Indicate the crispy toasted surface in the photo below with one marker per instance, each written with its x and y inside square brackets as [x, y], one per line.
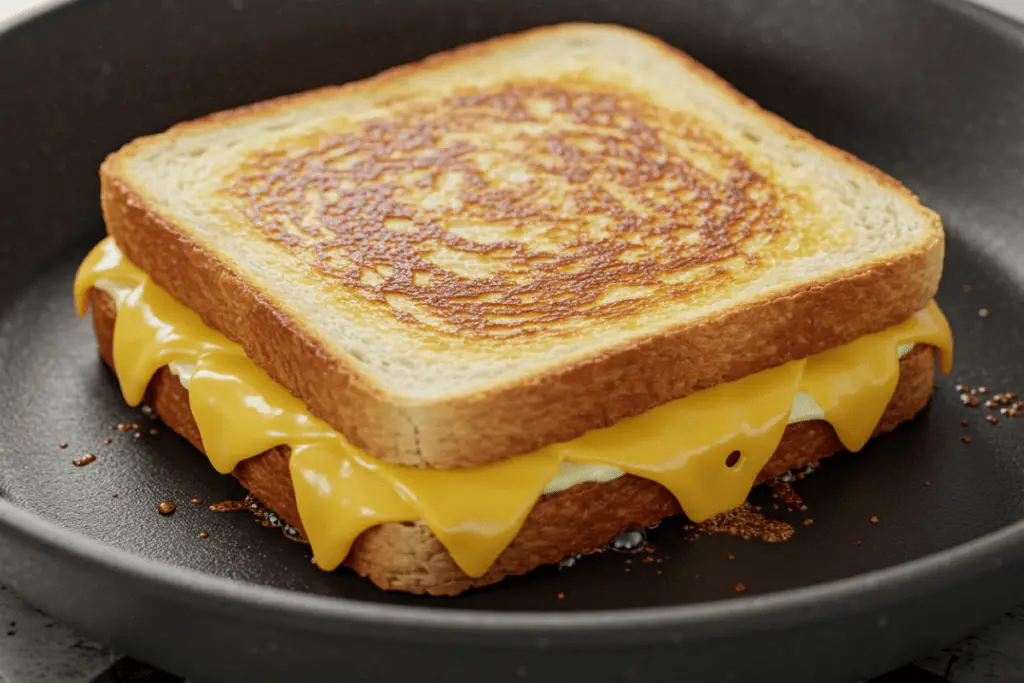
[408, 557]
[513, 243]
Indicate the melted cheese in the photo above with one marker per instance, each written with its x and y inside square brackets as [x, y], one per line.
[341, 491]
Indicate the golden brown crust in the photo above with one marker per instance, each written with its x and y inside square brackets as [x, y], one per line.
[408, 557]
[488, 425]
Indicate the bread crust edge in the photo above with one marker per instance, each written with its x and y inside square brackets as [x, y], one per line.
[408, 557]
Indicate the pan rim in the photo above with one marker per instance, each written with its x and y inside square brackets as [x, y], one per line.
[875, 588]
[776, 610]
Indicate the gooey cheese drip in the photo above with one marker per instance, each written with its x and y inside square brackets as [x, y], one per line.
[341, 491]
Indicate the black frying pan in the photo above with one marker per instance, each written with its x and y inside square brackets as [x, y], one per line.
[929, 91]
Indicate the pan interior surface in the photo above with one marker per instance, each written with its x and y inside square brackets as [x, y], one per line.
[895, 83]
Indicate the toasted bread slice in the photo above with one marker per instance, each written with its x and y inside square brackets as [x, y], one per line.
[510, 244]
[408, 557]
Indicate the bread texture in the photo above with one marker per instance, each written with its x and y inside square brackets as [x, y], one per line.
[513, 243]
[408, 557]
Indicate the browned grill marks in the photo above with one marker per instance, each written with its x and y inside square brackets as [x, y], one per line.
[556, 200]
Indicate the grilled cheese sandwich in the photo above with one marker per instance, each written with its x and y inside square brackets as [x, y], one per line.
[423, 314]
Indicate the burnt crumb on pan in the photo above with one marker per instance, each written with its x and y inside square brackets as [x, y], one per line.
[263, 515]
[730, 556]
[991, 419]
[154, 431]
[965, 439]
[964, 423]
[874, 519]
[561, 596]
[63, 444]
[784, 493]
[969, 400]
[739, 588]
[808, 522]
[984, 313]
[204, 535]
[229, 506]
[107, 442]
[84, 460]
[746, 523]
[982, 390]
[856, 543]
[167, 507]
[197, 501]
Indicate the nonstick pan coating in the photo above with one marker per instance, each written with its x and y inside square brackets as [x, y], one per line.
[931, 92]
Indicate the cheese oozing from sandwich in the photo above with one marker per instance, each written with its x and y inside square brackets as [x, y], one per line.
[341, 491]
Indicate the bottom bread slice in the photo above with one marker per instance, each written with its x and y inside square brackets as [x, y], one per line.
[408, 557]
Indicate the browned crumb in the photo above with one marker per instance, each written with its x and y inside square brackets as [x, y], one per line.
[964, 423]
[203, 534]
[991, 419]
[63, 444]
[659, 572]
[154, 431]
[108, 441]
[229, 506]
[84, 460]
[115, 495]
[785, 494]
[969, 401]
[808, 522]
[167, 507]
[965, 439]
[730, 556]
[856, 543]
[984, 313]
[197, 501]
[983, 390]
[927, 483]
[739, 588]
[966, 288]
[561, 596]
[874, 519]
[746, 522]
